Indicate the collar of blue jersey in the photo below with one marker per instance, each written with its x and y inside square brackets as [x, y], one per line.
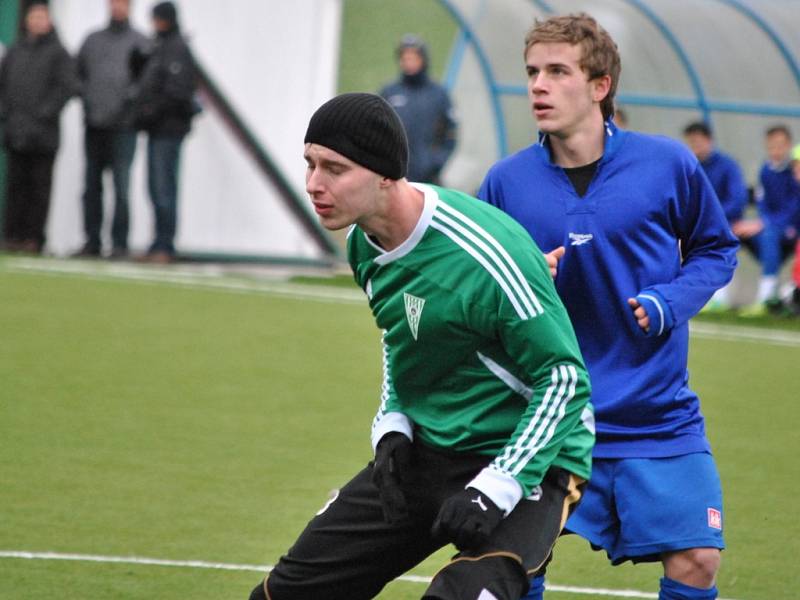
[611, 144]
[779, 167]
[711, 158]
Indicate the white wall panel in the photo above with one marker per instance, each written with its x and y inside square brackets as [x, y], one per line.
[276, 61]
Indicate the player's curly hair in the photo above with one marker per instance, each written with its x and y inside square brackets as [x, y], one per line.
[599, 53]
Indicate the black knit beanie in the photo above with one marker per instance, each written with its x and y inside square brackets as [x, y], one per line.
[365, 129]
[166, 11]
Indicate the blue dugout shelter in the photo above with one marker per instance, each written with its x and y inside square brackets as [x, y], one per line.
[733, 63]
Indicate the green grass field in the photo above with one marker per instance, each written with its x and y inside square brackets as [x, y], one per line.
[371, 30]
[207, 419]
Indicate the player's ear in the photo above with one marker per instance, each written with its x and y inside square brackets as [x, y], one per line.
[385, 183]
[601, 87]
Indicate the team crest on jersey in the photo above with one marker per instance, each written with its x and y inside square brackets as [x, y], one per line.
[579, 239]
[714, 518]
[414, 308]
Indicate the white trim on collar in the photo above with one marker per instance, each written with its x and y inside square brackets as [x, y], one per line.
[431, 200]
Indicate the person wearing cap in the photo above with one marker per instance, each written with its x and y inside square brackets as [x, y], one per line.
[425, 109]
[484, 429]
[164, 106]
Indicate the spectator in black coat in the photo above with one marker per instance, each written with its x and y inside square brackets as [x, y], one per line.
[164, 107]
[37, 77]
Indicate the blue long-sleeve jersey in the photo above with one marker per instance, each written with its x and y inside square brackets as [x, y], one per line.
[728, 182]
[778, 197]
[649, 226]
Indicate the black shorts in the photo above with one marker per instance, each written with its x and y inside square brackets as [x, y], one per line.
[348, 552]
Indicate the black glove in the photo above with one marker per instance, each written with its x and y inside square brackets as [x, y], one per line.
[391, 468]
[137, 59]
[467, 519]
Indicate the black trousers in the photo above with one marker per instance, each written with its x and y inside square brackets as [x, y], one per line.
[349, 552]
[107, 149]
[29, 179]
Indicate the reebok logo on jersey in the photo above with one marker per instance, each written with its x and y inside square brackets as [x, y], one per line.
[714, 518]
[479, 502]
[536, 494]
[579, 239]
[414, 308]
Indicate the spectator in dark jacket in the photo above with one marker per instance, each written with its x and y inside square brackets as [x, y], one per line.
[164, 108]
[37, 77]
[110, 138]
[425, 110]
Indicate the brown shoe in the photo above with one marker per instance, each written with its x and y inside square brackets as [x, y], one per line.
[161, 258]
[156, 258]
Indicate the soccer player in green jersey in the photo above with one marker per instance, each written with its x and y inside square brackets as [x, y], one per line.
[484, 433]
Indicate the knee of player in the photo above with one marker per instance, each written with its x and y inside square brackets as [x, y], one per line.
[696, 566]
[493, 576]
[706, 562]
[283, 586]
[259, 592]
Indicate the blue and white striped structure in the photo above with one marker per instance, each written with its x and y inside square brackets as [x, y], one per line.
[732, 63]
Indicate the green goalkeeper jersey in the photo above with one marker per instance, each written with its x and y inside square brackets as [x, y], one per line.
[479, 354]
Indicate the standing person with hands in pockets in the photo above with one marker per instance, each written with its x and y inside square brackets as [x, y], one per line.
[37, 77]
[164, 107]
[638, 243]
[109, 138]
[484, 433]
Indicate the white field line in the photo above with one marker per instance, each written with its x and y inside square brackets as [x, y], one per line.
[737, 333]
[212, 278]
[199, 564]
[194, 279]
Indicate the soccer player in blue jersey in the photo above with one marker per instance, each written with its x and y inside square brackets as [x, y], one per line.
[638, 243]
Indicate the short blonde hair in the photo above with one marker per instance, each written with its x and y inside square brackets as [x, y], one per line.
[599, 53]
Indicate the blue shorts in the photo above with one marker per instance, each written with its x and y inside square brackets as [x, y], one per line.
[637, 508]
